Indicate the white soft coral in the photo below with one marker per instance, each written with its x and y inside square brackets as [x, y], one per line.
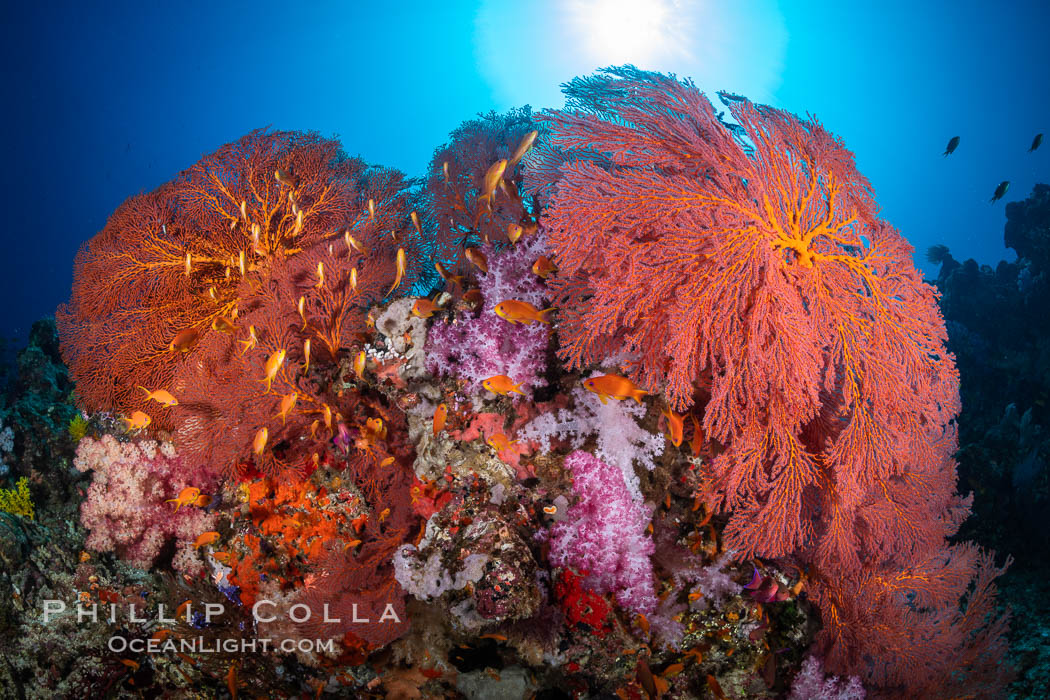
[622, 443]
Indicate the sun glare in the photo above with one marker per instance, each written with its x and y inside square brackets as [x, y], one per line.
[623, 31]
[526, 50]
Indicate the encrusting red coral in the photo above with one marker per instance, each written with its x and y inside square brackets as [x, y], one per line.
[580, 604]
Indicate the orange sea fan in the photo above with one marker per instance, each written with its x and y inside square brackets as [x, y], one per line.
[172, 260]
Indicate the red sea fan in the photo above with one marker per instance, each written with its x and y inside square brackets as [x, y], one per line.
[754, 268]
[223, 399]
[905, 633]
[741, 268]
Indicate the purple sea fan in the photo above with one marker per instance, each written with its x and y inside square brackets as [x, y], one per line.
[486, 345]
[604, 535]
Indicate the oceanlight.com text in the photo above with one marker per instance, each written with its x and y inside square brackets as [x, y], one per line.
[200, 645]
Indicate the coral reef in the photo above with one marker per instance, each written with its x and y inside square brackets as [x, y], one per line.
[720, 466]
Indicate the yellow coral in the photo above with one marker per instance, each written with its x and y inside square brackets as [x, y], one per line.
[17, 500]
[78, 427]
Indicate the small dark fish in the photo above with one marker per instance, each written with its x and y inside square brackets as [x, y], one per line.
[952, 145]
[1000, 191]
[1035, 142]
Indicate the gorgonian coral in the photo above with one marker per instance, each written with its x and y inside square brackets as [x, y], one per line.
[167, 268]
[742, 270]
[460, 209]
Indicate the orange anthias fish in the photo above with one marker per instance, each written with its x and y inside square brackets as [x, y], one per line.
[500, 442]
[354, 244]
[492, 177]
[206, 538]
[400, 269]
[715, 688]
[675, 426]
[543, 267]
[184, 340]
[286, 406]
[446, 275]
[161, 634]
[183, 607]
[502, 384]
[231, 681]
[186, 497]
[696, 442]
[614, 386]
[273, 364]
[475, 256]
[523, 146]
[424, 308]
[138, 420]
[359, 365]
[223, 325]
[250, 343]
[514, 232]
[440, 413]
[516, 311]
[284, 177]
[202, 501]
[161, 396]
[259, 443]
[374, 427]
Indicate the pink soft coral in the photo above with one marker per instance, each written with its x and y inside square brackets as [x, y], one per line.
[604, 535]
[486, 345]
[125, 508]
[811, 684]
